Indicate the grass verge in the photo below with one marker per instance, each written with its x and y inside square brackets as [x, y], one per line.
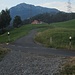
[3, 52]
[69, 67]
[58, 37]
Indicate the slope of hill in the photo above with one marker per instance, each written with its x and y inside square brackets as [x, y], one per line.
[26, 10]
[20, 32]
[58, 37]
[67, 24]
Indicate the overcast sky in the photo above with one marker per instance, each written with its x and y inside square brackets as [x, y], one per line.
[58, 4]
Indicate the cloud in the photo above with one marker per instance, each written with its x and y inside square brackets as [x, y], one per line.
[62, 6]
[73, 7]
[2, 7]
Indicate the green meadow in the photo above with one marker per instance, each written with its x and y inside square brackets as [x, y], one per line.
[58, 36]
[55, 35]
[17, 33]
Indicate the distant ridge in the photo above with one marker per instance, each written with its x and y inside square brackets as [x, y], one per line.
[26, 10]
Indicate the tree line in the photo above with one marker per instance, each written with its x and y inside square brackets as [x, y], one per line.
[5, 20]
[52, 18]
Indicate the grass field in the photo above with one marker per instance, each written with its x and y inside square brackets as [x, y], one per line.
[58, 37]
[68, 24]
[20, 32]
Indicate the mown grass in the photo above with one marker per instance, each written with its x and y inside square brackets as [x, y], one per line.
[20, 32]
[3, 52]
[58, 37]
[67, 24]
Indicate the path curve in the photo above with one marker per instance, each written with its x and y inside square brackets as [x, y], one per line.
[29, 58]
[27, 44]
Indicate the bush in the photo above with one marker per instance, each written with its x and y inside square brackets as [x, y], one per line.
[3, 52]
[68, 70]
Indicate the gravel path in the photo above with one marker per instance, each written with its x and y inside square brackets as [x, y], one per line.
[28, 58]
[20, 63]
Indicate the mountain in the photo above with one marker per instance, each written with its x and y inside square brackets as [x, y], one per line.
[26, 10]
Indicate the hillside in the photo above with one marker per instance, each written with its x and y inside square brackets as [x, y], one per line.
[26, 10]
[58, 37]
[66, 24]
[54, 35]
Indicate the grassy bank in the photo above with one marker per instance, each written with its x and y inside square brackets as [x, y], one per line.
[58, 37]
[69, 67]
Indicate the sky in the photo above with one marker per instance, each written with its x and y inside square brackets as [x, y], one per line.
[58, 4]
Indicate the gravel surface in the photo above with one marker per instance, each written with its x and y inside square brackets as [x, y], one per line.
[20, 63]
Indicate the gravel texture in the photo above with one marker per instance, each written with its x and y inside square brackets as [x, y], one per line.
[21, 63]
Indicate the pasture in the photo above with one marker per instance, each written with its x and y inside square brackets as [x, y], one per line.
[58, 36]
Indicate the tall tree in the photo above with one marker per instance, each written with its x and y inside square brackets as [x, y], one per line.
[17, 21]
[4, 19]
